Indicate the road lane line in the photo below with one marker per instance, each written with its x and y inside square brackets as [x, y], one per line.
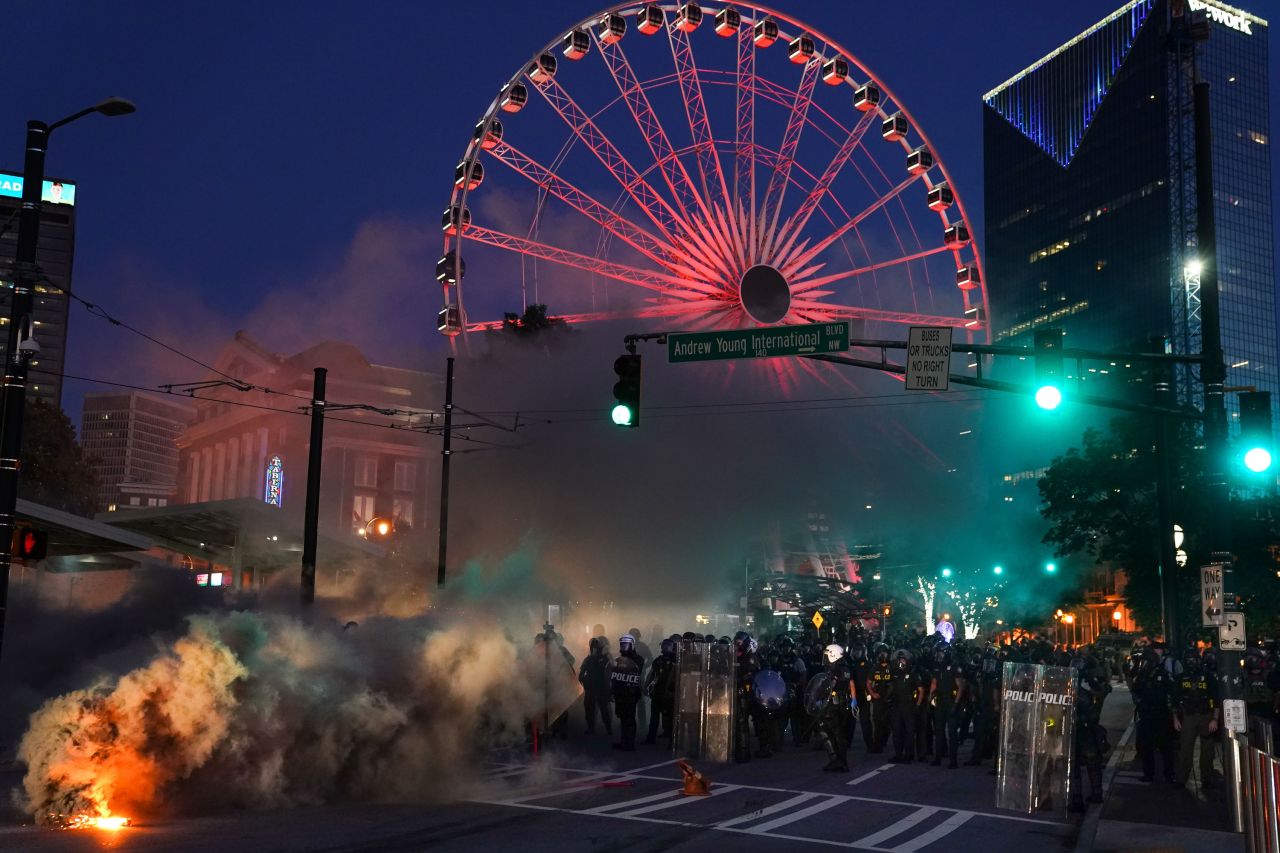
[576, 784]
[871, 775]
[763, 828]
[626, 805]
[765, 812]
[651, 766]
[874, 839]
[1089, 826]
[942, 830]
[864, 799]
[668, 804]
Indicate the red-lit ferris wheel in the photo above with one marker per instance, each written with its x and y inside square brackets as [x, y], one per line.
[714, 166]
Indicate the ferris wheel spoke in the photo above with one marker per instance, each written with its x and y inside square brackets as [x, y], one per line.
[797, 221]
[659, 282]
[744, 177]
[674, 309]
[790, 265]
[856, 312]
[807, 285]
[654, 205]
[786, 155]
[655, 135]
[542, 176]
[714, 188]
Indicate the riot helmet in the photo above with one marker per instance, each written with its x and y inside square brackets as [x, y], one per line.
[740, 639]
[668, 646]
[858, 651]
[626, 643]
[882, 653]
[833, 652]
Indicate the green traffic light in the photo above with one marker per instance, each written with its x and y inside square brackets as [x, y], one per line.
[1050, 568]
[946, 573]
[998, 570]
[1048, 397]
[622, 415]
[1257, 459]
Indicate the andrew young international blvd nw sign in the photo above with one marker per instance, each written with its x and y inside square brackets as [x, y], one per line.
[765, 342]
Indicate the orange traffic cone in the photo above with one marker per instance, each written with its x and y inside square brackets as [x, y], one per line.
[695, 784]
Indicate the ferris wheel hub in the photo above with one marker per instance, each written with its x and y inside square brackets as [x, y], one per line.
[764, 294]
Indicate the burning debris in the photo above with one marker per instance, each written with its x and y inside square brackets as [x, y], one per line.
[259, 710]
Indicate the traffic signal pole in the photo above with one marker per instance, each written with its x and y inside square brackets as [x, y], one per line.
[18, 350]
[446, 454]
[1213, 374]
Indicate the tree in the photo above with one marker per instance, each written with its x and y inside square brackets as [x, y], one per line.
[1100, 500]
[55, 470]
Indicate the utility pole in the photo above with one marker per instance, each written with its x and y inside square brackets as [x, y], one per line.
[1163, 397]
[446, 453]
[311, 521]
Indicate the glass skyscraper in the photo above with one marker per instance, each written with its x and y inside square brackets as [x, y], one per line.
[1090, 189]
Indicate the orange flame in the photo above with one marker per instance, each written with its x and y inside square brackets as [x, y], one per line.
[110, 823]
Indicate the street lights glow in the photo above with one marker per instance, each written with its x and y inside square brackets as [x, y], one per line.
[998, 570]
[1048, 397]
[1050, 568]
[1118, 615]
[1194, 268]
[1257, 459]
[1069, 618]
[946, 573]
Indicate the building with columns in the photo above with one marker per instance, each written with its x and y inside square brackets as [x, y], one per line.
[254, 443]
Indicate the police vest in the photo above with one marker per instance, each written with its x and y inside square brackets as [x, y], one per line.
[1196, 695]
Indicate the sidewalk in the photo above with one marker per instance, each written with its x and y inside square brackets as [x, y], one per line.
[1151, 817]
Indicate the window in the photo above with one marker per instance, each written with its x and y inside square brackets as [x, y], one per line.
[367, 471]
[361, 511]
[404, 476]
[402, 511]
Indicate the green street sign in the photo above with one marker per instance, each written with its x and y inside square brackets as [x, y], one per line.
[764, 342]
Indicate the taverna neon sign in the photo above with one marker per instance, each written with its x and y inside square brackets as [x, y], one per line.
[274, 491]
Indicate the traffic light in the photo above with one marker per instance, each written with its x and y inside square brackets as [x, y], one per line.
[946, 573]
[29, 544]
[1255, 430]
[1050, 568]
[1048, 355]
[626, 393]
[887, 610]
[998, 570]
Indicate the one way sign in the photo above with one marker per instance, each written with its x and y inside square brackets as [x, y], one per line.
[1211, 595]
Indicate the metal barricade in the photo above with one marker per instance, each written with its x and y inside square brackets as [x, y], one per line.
[1259, 814]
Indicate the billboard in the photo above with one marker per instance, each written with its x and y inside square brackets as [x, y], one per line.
[55, 192]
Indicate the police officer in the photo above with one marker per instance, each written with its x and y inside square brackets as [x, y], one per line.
[986, 702]
[593, 675]
[660, 687]
[861, 669]
[748, 664]
[835, 715]
[1153, 691]
[1259, 688]
[924, 669]
[877, 686]
[624, 675]
[906, 698]
[948, 694]
[1092, 685]
[796, 674]
[1199, 709]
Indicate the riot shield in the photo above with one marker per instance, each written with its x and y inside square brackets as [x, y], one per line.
[717, 732]
[705, 685]
[1037, 724]
[691, 667]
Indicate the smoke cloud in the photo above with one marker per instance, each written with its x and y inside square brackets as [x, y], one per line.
[251, 709]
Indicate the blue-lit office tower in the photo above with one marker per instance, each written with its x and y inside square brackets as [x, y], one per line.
[1090, 189]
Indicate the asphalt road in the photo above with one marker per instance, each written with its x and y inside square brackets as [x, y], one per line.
[590, 798]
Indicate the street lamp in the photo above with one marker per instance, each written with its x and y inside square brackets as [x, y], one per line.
[20, 345]
[946, 572]
[998, 570]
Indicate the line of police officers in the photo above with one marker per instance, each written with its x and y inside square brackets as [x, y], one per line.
[926, 698]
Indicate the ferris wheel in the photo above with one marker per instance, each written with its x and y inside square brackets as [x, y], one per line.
[706, 167]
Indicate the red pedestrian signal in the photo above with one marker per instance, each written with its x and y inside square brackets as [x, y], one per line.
[29, 544]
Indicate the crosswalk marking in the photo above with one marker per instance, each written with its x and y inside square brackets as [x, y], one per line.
[800, 814]
[765, 812]
[667, 804]
[864, 777]
[558, 791]
[619, 808]
[874, 839]
[942, 830]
